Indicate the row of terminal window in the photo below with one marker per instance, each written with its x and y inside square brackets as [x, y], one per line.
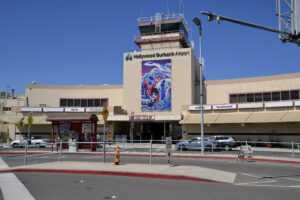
[83, 102]
[265, 96]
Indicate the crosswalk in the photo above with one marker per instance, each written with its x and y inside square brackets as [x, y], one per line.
[11, 186]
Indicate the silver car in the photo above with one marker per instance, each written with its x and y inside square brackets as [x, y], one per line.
[195, 144]
[34, 143]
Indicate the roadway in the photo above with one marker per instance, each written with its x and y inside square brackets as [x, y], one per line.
[255, 180]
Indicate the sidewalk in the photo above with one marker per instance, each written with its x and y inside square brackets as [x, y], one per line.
[189, 173]
[175, 154]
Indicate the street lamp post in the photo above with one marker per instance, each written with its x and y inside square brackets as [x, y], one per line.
[198, 23]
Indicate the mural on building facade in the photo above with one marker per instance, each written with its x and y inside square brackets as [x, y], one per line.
[156, 85]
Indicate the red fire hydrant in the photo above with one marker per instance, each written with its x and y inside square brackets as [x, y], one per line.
[117, 155]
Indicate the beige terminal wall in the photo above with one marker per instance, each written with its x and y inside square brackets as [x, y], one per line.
[183, 78]
[283, 132]
[218, 91]
[51, 94]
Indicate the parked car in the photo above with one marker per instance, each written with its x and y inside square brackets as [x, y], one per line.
[33, 143]
[195, 144]
[224, 142]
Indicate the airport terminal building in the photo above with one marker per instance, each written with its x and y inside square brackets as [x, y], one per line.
[160, 97]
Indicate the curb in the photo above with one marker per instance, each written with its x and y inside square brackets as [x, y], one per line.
[162, 156]
[112, 173]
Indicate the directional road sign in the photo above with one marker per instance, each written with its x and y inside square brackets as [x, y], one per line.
[105, 113]
[30, 120]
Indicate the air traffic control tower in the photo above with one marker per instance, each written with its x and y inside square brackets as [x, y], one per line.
[163, 77]
[161, 32]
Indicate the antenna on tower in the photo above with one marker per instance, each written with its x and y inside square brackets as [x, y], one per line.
[168, 11]
[181, 7]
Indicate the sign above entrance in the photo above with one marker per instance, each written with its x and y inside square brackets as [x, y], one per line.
[224, 106]
[29, 109]
[142, 117]
[205, 107]
[142, 56]
[94, 109]
[74, 109]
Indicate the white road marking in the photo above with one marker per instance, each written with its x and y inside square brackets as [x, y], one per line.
[278, 186]
[267, 180]
[3, 165]
[251, 175]
[293, 179]
[11, 186]
[251, 183]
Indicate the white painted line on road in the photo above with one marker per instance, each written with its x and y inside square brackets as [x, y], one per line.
[11, 186]
[255, 182]
[293, 179]
[297, 186]
[3, 165]
[277, 186]
[251, 175]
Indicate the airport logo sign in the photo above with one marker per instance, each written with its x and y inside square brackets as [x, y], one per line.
[136, 56]
[128, 56]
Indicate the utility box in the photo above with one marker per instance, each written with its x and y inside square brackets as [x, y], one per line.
[73, 141]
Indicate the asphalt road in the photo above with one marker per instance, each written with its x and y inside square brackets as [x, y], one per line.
[255, 180]
[74, 186]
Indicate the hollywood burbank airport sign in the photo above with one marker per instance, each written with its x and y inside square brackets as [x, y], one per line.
[129, 56]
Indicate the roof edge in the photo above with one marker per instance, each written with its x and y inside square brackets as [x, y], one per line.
[254, 79]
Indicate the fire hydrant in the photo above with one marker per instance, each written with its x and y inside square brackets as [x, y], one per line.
[117, 155]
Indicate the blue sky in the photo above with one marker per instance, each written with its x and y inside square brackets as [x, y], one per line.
[72, 42]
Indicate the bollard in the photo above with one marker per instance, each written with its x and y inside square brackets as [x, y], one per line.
[293, 151]
[117, 155]
[60, 147]
[150, 151]
[25, 156]
[180, 147]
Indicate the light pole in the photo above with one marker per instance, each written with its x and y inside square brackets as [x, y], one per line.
[198, 23]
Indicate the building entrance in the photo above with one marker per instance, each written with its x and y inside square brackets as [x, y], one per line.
[152, 130]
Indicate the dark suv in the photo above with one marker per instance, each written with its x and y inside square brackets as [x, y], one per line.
[224, 142]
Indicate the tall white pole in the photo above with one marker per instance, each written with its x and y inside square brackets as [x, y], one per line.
[201, 89]
[104, 141]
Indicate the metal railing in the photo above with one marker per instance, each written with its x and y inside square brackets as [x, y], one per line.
[161, 18]
[161, 35]
[152, 148]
